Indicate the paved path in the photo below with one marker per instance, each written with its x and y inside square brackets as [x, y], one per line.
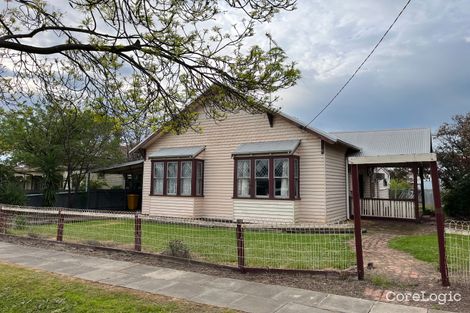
[399, 266]
[224, 292]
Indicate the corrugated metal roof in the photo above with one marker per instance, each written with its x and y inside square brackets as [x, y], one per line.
[182, 152]
[120, 167]
[389, 142]
[267, 147]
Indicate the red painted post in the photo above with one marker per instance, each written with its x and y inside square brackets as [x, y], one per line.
[357, 222]
[137, 233]
[440, 225]
[415, 191]
[240, 246]
[60, 226]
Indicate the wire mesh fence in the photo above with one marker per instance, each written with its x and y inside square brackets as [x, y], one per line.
[243, 244]
[458, 251]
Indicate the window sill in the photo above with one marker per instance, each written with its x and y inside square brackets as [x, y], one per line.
[280, 199]
[176, 196]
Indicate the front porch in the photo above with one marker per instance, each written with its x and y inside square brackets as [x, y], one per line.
[388, 208]
[408, 204]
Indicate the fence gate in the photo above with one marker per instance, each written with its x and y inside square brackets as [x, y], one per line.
[458, 251]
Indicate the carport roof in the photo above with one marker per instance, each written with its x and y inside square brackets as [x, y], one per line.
[389, 142]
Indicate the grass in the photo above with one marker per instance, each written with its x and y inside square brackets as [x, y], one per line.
[213, 244]
[25, 290]
[382, 281]
[425, 248]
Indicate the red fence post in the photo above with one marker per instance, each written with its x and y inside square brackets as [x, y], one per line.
[440, 225]
[357, 222]
[240, 246]
[60, 226]
[137, 233]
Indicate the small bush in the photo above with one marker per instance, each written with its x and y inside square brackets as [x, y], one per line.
[178, 248]
[12, 193]
[20, 222]
[381, 281]
[457, 200]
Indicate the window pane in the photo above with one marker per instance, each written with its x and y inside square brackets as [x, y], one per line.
[172, 172]
[243, 168]
[262, 168]
[243, 176]
[158, 168]
[186, 174]
[186, 169]
[172, 169]
[185, 186]
[281, 181]
[199, 177]
[158, 186]
[158, 171]
[262, 177]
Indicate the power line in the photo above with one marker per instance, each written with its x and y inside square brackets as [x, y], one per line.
[360, 66]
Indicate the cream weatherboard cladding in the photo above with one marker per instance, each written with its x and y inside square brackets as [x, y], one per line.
[270, 210]
[335, 169]
[221, 139]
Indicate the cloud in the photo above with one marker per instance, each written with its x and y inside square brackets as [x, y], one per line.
[417, 78]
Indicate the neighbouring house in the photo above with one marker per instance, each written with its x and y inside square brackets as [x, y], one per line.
[270, 166]
[31, 179]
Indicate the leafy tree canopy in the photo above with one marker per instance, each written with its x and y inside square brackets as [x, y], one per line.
[453, 153]
[58, 137]
[453, 150]
[134, 57]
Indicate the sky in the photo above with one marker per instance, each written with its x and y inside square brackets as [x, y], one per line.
[418, 77]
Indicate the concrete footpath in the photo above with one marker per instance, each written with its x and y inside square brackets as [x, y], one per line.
[223, 292]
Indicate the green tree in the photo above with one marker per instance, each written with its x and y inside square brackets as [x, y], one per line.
[10, 190]
[57, 138]
[135, 57]
[453, 153]
[399, 188]
[453, 150]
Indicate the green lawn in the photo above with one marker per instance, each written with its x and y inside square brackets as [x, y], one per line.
[213, 244]
[424, 248]
[24, 290]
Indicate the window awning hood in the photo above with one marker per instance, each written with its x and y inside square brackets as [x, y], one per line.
[267, 147]
[179, 153]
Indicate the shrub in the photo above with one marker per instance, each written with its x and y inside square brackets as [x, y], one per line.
[178, 248]
[20, 222]
[457, 199]
[12, 193]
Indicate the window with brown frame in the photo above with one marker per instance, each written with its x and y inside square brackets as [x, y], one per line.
[177, 178]
[270, 177]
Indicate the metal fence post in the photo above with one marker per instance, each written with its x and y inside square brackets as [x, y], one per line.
[137, 233]
[60, 226]
[240, 246]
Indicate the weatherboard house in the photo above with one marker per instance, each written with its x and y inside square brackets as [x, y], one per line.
[270, 166]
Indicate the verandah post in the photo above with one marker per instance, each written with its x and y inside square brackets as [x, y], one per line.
[415, 192]
[60, 226]
[357, 221]
[137, 233]
[423, 196]
[240, 246]
[440, 225]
